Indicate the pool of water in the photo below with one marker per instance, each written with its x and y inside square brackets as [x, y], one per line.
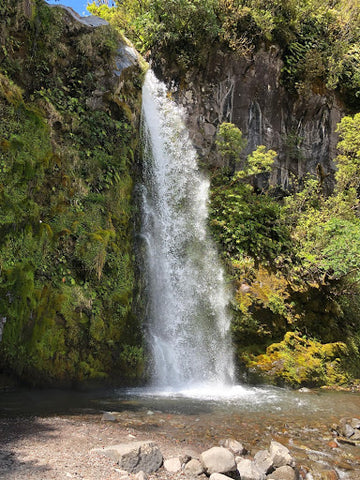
[202, 416]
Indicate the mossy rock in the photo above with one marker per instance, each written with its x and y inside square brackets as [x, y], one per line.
[67, 171]
[299, 361]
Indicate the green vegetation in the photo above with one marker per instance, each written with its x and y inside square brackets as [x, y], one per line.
[298, 361]
[67, 147]
[68, 150]
[296, 269]
[319, 40]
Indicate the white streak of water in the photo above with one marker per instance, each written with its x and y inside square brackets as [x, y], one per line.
[188, 324]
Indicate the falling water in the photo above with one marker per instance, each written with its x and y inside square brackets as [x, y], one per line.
[187, 320]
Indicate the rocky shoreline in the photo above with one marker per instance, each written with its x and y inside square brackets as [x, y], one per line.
[87, 447]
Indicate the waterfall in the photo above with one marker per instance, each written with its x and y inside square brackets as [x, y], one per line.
[187, 320]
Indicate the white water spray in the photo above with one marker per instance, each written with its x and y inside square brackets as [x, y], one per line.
[187, 320]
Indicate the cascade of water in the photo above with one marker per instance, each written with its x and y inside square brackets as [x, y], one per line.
[188, 325]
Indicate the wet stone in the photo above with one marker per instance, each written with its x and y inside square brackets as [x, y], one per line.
[355, 423]
[109, 417]
[347, 430]
[283, 473]
[234, 446]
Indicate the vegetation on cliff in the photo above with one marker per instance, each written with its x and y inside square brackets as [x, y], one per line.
[68, 139]
[67, 146]
[319, 40]
[296, 268]
[294, 260]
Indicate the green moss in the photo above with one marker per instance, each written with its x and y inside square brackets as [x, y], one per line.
[301, 361]
[66, 208]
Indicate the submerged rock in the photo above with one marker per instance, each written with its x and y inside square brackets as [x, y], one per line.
[234, 446]
[348, 431]
[109, 417]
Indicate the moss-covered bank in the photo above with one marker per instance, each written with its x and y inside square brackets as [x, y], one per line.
[68, 143]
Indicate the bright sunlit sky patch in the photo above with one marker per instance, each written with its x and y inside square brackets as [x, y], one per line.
[78, 5]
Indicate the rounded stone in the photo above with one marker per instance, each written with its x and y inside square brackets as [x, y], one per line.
[218, 460]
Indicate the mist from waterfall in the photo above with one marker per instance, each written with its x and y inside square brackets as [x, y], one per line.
[188, 327]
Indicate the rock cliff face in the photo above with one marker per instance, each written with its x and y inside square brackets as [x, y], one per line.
[249, 94]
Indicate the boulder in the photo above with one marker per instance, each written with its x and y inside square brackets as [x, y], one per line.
[282, 473]
[280, 455]
[263, 461]
[172, 465]
[134, 457]
[218, 460]
[193, 467]
[234, 446]
[249, 471]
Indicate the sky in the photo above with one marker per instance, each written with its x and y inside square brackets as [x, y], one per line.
[78, 5]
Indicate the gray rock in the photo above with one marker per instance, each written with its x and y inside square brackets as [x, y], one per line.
[125, 58]
[172, 464]
[282, 473]
[134, 457]
[234, 446]
[347, 431]
[193, 467]
[90, 20]
[263, 461]
[356, 435]
[218, 476]
[249, 471]
[280, 455]
[249, 93]
[108, 417]
[209, 129]
[218, 460]
[304, 390]
[355, 423]
[347, 427]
